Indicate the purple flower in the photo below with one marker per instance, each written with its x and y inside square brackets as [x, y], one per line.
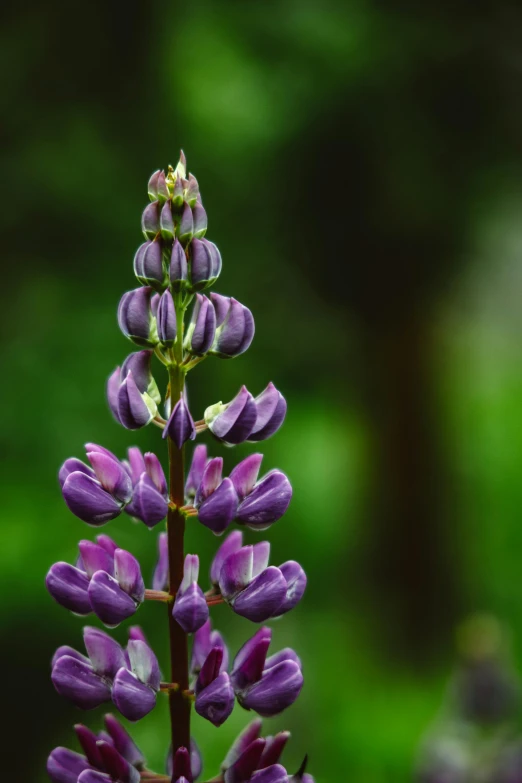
[257, 591]
[202, 327]
[230, 545]
[132, 392]
[150, 497]
[204, 264]
[180, 426]
[232, 423]
[266, 685]
[166, 319]
[235, 327]
[150, 220]
[186, 225]
[261, 502]
[196, 762]
[253, 757]
[178, 270]
[166, 222]
[160, 579]
[205, 639]
[130, 678]
[216, 499]
[135, 317]
[106, 756]
[271, 412]
[246, 418]
[190, 607]
[148, 265]
[214, 694]
[197, 468]
[64, 766]
[106, 581]
[99, 493]
[157, 187]
[199, 216]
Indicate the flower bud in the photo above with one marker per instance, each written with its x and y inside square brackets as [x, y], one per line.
[214, 694]
[267, 502]
[148, 503]
[232, 423]
[230, 545]
[216, 500]
[148, 265]
[150, 220]
[68, 586]
[192, 191]
[204, 640]
[180, 426]
[178, 271]
[267, 686]
[166, 320]
[185, 228]
[177, 195]
[64, 766]
[235, 327]
[271, 412]
[197, 468]
[205, 264]
[166, 222]
[160, 579]
[202, 328]
[135, 410]
[109, 602]
[157, 188]
[190, 607]
[123, 742]
[199, 216]
[135, 317]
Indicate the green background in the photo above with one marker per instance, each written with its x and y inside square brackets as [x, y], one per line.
[360, 164]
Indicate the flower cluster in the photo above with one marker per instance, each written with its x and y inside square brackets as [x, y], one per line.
[174, 267]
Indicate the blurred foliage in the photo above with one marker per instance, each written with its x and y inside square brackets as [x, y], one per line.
[360, 164]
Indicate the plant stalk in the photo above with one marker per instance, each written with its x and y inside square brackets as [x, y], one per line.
[179, 706]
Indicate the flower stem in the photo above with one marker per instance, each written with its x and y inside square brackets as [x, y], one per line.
[178, 705]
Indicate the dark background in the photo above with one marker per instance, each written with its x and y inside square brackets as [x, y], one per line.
[360, 163]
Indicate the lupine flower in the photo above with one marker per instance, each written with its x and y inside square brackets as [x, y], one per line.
[205, 639]
[150, 220]
[166, 319]
[167, 228]
[190, 608]
[136, 319]
[214, 694]
[246, 418]
[99, 493]
[252, 754]
[216, 499]
[201, 330]
[197, 468]
[199, 216]
[261, 503]
[266, 685]
[160, 578]
[180, 426]
[157, 187]
[130, 678]
[235, 327]
[271, 412]
[204, 264]
[252, 588]
[132, 392]
[178, 269]
[232, 423]
[196, 762]
[150, 497]
[186, 225]
[148, 265]
[109, 582]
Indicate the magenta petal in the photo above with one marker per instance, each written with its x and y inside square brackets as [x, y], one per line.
[263, 596]
[218, 510]
[132, 698]
[68, 586]
[250, 660]
[278, 688]
[109, 602]
[244, 475]
[267, 502]
[75, 680]
[104, 652]
[64, 766]
[86, 499]
[95, 558]
[230, 545]
[216, 701]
